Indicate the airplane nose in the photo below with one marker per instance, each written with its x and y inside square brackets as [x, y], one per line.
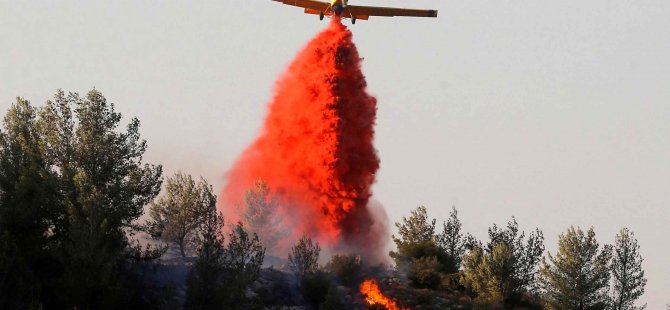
[338, 9]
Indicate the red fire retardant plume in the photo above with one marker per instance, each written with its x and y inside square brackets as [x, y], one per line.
[315, 150]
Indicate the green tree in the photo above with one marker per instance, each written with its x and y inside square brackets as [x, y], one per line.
[627, 273]
[177, 214]
[29, 209]
[526, 253]
[347, 267]
[488, 273]
[578, 276]
[425, 272]
[303, 259]
[452, 241]
[222, 273]
[418, 250]
[104, 187]
[206, 288]
[416, 228]
[242, 262]
[416, 238]
[260, 215]
[507, 267]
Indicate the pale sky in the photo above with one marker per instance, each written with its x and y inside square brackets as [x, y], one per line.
[556, 112]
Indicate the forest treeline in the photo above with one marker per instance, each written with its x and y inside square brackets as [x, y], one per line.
[512, 270]
[74, 189]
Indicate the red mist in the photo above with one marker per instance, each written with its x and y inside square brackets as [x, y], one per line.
[316, 150]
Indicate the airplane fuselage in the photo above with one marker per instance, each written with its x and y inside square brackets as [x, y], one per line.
[338, 6]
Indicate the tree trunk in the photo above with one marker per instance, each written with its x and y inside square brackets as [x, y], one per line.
[181, 250]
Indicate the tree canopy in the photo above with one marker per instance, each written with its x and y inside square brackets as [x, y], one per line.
[577, 276]
[261, 215]
[628, 279]
[507, 266]
[73, 186]
[177, 214]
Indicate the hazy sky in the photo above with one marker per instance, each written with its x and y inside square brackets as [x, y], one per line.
[556, 112]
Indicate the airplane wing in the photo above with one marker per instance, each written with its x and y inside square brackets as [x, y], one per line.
[307, 4]
[384, 11]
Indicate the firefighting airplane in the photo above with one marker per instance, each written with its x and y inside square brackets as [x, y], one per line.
[343, 9]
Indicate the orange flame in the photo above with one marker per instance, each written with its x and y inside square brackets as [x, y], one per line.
[373, 295]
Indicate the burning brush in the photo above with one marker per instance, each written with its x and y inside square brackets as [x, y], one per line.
[374, 296]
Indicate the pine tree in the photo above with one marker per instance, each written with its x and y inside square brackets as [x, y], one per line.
[222, 273]
[452, 241]
[243, 259]
[416, 228]
[177, 214]
[507, 267]
[29, 208]
[261, 217]
[206, 288]
[419, 253]
[104, 186]
[303, 259]
[628, 276]
[578, 276]
[488, 273]
[526, 253]
[416, 239]
[72, 186]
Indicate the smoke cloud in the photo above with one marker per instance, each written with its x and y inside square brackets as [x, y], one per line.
[316, 151]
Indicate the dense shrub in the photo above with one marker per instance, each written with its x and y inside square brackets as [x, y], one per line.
[315, 288]
[424, 272]
[333, 300]
[347, 268]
